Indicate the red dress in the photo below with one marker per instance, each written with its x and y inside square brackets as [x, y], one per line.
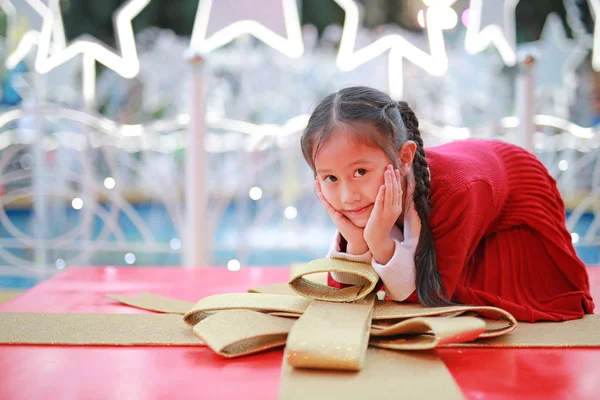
[498, 223]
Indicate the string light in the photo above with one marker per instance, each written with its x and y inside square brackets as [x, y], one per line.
[502, 35]
[233, 265]
[77, 203]
[109, 183]
[60, 263]
[439, 3]
[447, 16]
[464, 17]
[292, 46]
[130, 258]
[255, 193]
[563, 165]
[290, 212]
[175, 243]
[421, 18]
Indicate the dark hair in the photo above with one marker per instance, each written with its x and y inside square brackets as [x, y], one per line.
[394, 123]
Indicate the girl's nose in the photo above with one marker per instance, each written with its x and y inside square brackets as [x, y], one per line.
[350, 194]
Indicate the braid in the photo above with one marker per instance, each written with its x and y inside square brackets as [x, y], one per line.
[430, 287]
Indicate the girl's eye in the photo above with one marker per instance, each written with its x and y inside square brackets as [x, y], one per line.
[360, 172]
[330, 179]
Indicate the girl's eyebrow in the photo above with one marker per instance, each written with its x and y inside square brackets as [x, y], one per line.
[359, 161]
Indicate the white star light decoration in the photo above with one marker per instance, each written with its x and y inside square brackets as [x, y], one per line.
[435, 62]
[32, 37]
[126, 65]
[11, 21]
[595, 10]
[493, 22]
[292, 45]
[557, 57]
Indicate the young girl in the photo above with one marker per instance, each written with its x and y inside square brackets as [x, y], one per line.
[477, 222]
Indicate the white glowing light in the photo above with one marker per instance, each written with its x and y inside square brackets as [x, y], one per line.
[132, 130]
[77, 203]
[438, 3]
[464, 18]
[435, 63]
[292, 46]
[255, 193]
[595, 11]
[130, 258]
[563, 124]
[175, 243]
[290, 212]
[448, 18]
[501, 34]
[60, 263]
[127, 65]
[574, 237]
[563, 165]
[110, 183]
[421, 18]
[233, 265]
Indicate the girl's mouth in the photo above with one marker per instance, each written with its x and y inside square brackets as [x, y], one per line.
[358, 211]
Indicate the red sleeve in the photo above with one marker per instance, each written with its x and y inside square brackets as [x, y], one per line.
[333, 283]
[458, 225]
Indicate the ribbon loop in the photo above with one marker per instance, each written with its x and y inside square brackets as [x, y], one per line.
[235, 333]
[314, 290]
[268, 303]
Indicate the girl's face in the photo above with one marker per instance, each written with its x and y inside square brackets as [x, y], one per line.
[350, 173]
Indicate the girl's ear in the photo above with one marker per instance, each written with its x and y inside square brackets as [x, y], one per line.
[406, 155]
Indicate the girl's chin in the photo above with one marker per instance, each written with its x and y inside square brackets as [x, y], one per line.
[360, 222]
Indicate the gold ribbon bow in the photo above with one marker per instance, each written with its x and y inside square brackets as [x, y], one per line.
[329, 328]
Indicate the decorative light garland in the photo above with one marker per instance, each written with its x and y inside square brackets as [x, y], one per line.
[501, 33]
[292, 46]
[127, 64]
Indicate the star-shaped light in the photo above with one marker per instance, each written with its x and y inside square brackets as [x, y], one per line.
[595, 10]
[32, 38]
[11, 18]
[493, 22]
[557, 57]
[435, 62]
[52, 32]
[237, 18]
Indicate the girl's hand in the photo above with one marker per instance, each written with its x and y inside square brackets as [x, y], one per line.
[352, 233]
[387, 209]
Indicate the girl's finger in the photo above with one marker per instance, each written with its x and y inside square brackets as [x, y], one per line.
[394, 188]
[378, 207]
[399, 179]
[389, 192]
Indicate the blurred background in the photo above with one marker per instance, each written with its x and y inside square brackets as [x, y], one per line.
[99, 100]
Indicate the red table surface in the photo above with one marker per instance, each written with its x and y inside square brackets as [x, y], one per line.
[90, 372]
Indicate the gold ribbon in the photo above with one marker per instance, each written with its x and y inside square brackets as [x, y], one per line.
[334, 334]
[317, 291]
